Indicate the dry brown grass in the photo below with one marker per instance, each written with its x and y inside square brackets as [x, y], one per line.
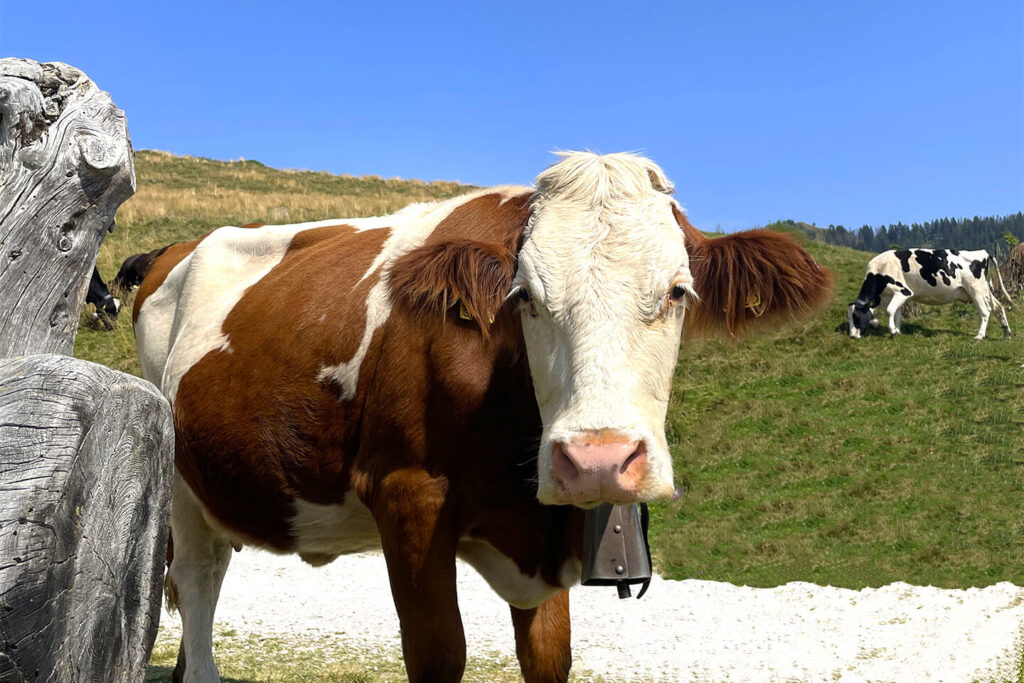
[286, 205]
[191, 188]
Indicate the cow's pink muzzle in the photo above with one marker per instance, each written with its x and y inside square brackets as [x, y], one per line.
[598, 467]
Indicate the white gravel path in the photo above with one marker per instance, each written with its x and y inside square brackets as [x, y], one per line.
[680, 631]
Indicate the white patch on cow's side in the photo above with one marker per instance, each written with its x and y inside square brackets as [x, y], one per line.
[504, 577]
[182, 320]
[378, 310]
[602, 251]
[409, 230]
[326, 531]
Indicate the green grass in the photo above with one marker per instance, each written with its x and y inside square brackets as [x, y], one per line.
[255, 659]
[272, 660]
[810, 456]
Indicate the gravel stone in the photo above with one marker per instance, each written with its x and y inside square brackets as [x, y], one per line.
[680, 631]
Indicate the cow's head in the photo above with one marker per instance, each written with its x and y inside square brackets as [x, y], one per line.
[607, 274]
[99, 296]
[604, 281]
[859, 317]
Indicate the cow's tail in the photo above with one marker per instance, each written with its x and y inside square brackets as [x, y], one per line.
[170, 589]
[999, 277]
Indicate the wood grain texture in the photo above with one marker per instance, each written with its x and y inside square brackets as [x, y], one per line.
[86, 460]
[66, 164]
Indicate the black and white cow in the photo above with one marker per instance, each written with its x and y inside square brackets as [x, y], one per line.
[99, 296]
[134, 270]
[929, 276]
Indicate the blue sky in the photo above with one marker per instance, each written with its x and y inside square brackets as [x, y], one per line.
[845, 113]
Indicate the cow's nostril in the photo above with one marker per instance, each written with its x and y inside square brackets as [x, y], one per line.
[564, 467]
[635, 456]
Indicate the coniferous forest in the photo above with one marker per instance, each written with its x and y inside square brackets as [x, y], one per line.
[997, 234]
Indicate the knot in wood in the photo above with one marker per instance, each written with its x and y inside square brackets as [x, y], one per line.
[57, 315]
[101, 153]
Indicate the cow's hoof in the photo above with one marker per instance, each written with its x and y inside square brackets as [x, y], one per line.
[979, 338]
[178, 675]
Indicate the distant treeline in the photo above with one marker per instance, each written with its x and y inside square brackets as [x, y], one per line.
[994, 233]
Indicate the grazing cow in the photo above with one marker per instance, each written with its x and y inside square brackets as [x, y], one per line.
[99, 296]
[134, 269]
[930, 276]
[460, 378]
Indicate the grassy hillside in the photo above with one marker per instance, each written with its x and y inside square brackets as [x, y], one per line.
[806, 455]
[810, 456]
[811, 232]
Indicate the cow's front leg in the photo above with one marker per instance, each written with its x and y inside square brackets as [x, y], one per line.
[542, 640]
[895, 310]
[419, 538]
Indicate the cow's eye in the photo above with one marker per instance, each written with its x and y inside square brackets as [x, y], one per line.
[678, 292]
[523, 294]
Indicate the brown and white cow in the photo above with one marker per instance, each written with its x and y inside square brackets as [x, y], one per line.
[458, 379]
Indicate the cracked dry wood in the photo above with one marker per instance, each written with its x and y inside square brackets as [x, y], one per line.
[86, 459]
[66, 164]
[86, 453]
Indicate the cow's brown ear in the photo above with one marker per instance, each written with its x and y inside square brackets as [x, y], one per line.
[475, 276]
[750, 280]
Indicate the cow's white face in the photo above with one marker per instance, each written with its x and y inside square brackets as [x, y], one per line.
[604, 285]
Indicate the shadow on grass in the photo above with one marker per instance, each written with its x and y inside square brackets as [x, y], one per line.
[922, 331]
[908, 329]
[162, 674]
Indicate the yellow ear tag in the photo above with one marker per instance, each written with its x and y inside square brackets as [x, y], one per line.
[464, 314]
[754, 304]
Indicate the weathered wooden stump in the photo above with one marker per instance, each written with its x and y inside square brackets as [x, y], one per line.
[66, 164]
[86, 453]
[85, 466]
[1013, 269]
